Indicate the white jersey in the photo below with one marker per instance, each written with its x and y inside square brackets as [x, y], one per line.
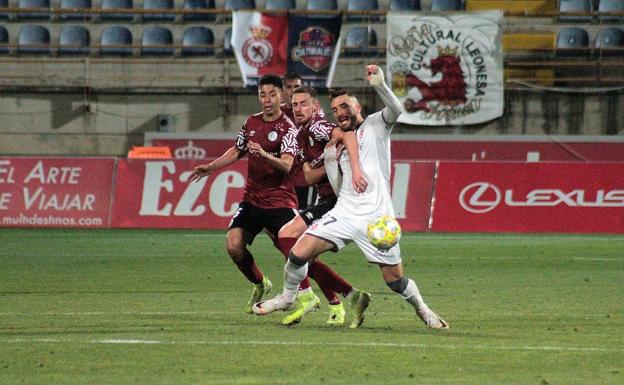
[373, 138]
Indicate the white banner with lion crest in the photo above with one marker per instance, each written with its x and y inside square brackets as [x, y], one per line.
[447, 69]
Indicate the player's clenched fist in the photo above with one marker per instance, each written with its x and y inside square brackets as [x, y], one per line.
[374, 75]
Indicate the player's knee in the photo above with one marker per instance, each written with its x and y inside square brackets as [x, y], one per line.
[294, 259]
[235, 248]
[399, 285]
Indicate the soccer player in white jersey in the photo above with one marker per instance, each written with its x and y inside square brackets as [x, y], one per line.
[348, 220]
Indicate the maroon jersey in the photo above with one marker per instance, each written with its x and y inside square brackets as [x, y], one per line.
[312, 141]
[266, 186]
[288, 112]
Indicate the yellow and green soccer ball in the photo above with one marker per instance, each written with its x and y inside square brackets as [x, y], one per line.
[384, 232]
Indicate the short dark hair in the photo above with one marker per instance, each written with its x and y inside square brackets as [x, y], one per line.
[334, 93]
[306, 90]
[291, 76]
[270, 79]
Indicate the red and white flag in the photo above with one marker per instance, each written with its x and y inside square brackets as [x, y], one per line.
[260, 42]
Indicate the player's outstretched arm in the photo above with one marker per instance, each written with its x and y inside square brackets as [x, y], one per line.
[230, 156]
[375, 77]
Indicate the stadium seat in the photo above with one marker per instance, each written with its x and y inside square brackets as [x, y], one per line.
[199, 5]
[404, 5]
[34, 39]
[360, 41]
[610, 42]
[158, 4]
[233, 5]
[572, 41]
[362, 5]
[25, 4]
[446, 5]
[321, 5]
[117, 4]
[227, 43]
[77, 4]
[4, 4]
[280, 4]
[195, 40]
[4, 40]
[567, 6]
[155, 41]
[611, 6]
[116, 40]
[74, 40]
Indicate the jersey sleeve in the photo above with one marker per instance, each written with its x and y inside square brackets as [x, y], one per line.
[289, 143]
[321, 130]
[241, 139]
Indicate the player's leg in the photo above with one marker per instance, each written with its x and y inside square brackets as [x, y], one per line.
[408, 290]
[243, 229]
[305, 250]
[307, 301]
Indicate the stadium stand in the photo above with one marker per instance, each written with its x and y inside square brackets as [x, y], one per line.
[4, 41]
[446, 5]
[404, 5]
[116, 40]
[233, 5]
[227, 43]
[276, 5]
[361, 41]
[74, 40]
[197, 41]
[34, 39]
[157, 41]
[576, 8]
[34, 5]
[76, 4]
[513, 7]
[199, 5]
[158, 5]
[4, 4]
[609, 42]
[606, 6]
[359, 6]
[117, 4]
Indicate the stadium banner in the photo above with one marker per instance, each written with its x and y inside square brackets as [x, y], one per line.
[529, 197]
[446, 69]
[55, 192]
[548, 149]
[269, 43]
[156, 194]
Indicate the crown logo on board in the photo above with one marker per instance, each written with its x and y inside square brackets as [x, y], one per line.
[260, 32]
[189, 152]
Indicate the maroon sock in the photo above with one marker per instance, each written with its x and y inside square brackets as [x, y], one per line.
[327, 278]
[248, 267]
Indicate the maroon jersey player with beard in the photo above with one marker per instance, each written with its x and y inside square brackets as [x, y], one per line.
[269, 200]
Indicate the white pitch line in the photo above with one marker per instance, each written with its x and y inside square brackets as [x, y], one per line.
[312, 343]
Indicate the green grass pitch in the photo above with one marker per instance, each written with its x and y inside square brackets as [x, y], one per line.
[165, 307]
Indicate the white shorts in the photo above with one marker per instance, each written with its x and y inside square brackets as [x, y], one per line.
[341, 231]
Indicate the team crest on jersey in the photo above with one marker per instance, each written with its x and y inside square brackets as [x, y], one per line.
[315, 48]
[257, 50]
[272, 136]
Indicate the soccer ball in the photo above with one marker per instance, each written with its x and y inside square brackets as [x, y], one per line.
[384, 232]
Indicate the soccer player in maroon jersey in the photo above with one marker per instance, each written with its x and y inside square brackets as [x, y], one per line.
[290, 82]
[269, 200]
[314, 133]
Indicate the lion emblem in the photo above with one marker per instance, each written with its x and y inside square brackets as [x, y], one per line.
[450, 90]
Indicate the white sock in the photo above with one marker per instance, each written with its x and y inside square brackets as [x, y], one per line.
[293, 275]
[412, 295]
